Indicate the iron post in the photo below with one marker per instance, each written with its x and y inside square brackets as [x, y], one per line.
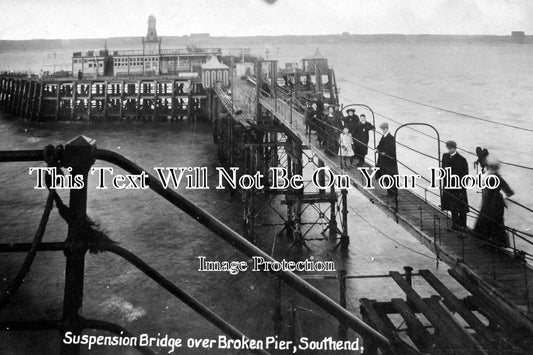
[79, 155]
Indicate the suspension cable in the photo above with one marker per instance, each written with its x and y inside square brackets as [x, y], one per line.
[476, 211]
[438, 108]
[336, 129]
[443, 141]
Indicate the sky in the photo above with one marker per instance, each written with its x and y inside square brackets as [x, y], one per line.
[67, 19]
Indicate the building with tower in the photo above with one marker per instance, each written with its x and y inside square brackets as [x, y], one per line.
[151, 43]
[151, 60]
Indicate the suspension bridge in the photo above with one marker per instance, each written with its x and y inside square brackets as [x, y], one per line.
[498, 278]
[256, 125]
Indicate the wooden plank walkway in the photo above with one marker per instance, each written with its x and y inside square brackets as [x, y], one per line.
[496, 273]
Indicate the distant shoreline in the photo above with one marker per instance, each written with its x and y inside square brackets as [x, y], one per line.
[207, 40]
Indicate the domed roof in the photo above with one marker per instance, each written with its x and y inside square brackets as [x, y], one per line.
[213, 63]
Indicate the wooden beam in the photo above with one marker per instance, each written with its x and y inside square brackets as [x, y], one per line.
[488, 338]
[455, 334]
[454, 304]
[511, 316]
[380, 325]
[494, 318]
[415, 329]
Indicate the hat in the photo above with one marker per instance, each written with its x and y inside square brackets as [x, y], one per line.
[384, 125]
[350, 110]
[451, 144]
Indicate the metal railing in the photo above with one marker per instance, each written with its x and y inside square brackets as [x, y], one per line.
[80, 154]
[286, 112]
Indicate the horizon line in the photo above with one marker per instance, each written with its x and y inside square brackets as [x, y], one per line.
[271, 36]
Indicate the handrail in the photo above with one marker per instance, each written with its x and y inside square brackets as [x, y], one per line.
[458, 148]
[170, 287]
[226, 233]
[243, 245]
[267, 99]
[427, 180]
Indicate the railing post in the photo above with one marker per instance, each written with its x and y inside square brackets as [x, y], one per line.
[322, 176]
[408, 275]
[79, 155]
[345, 239]
[343, 329]
[409, 279]
[332, 225]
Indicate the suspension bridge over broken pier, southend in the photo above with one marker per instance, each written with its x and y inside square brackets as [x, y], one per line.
[257, 125]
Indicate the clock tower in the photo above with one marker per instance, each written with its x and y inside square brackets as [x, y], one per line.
[151, 43]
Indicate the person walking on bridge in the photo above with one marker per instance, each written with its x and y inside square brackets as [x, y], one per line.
[452, 199]
[387, 163]
[332, 131]
[490, 224]
[310, 118]
[361, 136]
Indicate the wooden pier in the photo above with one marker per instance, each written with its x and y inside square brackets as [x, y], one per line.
[161, 98]
[499, 279]
[256, 129]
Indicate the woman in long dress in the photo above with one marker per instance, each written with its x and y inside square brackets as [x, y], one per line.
[490, 224]
[345, 148]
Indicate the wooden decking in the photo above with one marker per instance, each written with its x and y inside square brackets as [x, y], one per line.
[441, 323]
[496, 275]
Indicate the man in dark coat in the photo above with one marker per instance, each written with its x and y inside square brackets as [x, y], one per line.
[360, 135]
[332, 130]
[455, 200]
[320, 116]
[310, 119]
[387, 163]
